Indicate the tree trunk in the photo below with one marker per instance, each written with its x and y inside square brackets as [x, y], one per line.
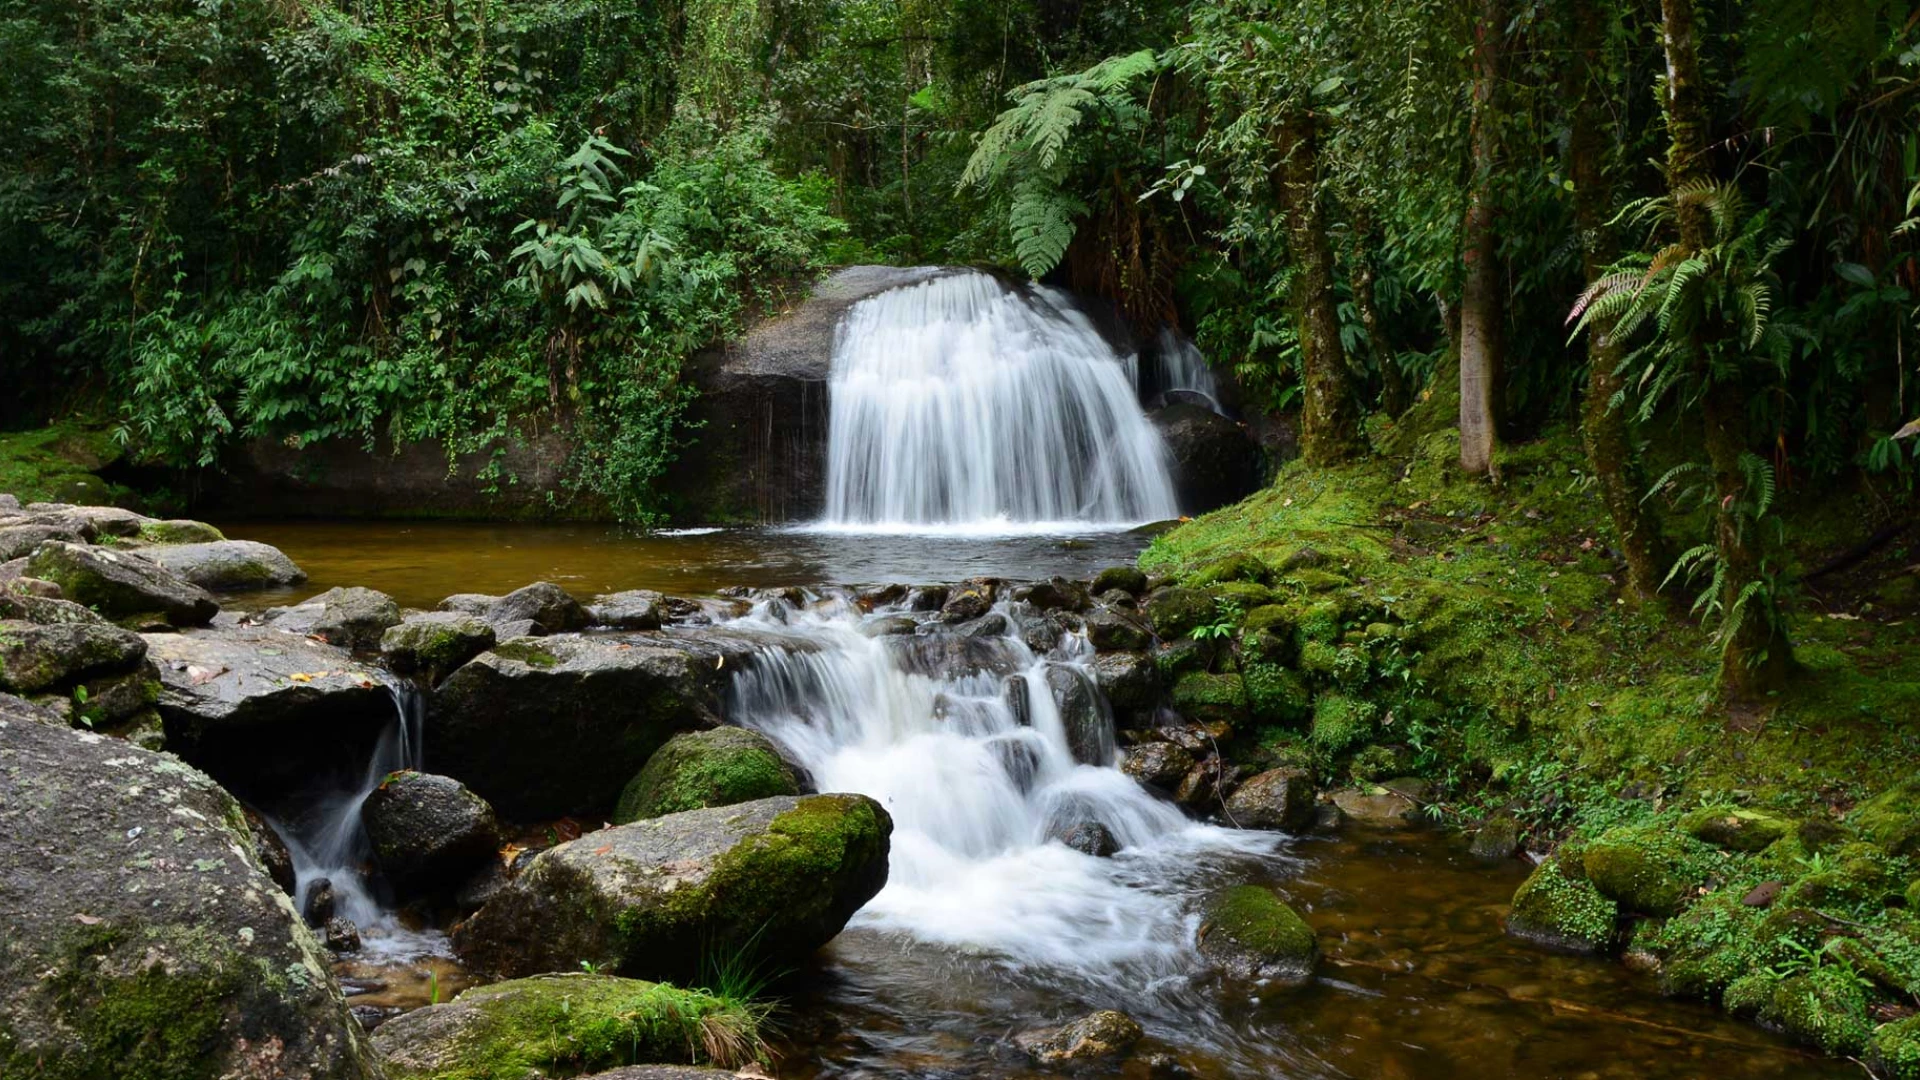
[1757, 656]
[1329, 425]
[1481, 307]
[1393, 385]
[1604, 427]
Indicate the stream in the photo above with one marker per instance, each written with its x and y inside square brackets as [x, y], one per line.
[986, 431]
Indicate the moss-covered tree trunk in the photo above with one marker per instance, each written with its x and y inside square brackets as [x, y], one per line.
[1329, 424]
[1481, 307]
[1603, 426]
[1393, 385]
[1757, 655]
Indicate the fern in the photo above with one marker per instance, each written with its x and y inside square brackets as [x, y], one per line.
[1043, 219]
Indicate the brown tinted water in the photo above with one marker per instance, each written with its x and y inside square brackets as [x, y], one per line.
[1418, 980]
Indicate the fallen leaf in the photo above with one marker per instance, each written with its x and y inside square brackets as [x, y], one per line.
[87, 920]
[300, 676]
[603, 849]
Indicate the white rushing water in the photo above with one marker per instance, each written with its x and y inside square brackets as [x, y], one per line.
[1182, 368]
[963, 742]
[960, 405]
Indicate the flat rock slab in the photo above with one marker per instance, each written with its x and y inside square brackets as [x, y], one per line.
[131, 896]
[121, 584]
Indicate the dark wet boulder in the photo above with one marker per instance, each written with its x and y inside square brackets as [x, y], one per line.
[1083, 714]
[888, 625]
[947, 655]
[263, 710]
[636, 609]
[1130, 681]
[968, 600]
[274, 856]
[1215, 461]
[1251, 934]
[926, 598]
[560, 1025]
[549, 607]
[1160, 765]
[228, 565]
[1091, 838]
[1105, 1034]
[772, 879]
[1276, 799]
[429, 833]
[1558, 908]
[1497, 838]
[1111, 630]
[431, 644]
[1127, 579]
[143, 938]
[1054, 594]
[121, 585]
[699, 769]
[37, 658]
[546, 726]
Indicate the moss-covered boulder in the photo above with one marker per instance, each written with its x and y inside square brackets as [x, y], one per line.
[546, 726]
[1276, 799]
[1129, 680]
[1735, 828]
[1276, 695]
[1206, 697]
[1241, 595]
[702, 769]
[1111, 630]
[1237, 567]
[36, 658]
[228, 565]
[428, 832]
[1249, 933]
[1341, 721]
[1649, 869]
[1102, 1035]
[1891, 819]
[1825, 1007]
[179, 531]
[564, 1025]
[121, 585]
[1175, 611]
[432, 644]
[1852, 876]
[1893, 1051]
[770, 881]
[143, 939]
[1558, 910]
[1125, 578]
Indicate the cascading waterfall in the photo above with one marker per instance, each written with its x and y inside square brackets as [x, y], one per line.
[960, 404]
[963, 741]
[1182, 369]
[326, 839]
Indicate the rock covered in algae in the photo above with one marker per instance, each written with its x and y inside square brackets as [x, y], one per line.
[120, 584]
[1250, 933]
[1104, 1034]
[431, 644]
[1559, 909]
[143, 938]
[772, 879]
[228, 565]
[702, 769]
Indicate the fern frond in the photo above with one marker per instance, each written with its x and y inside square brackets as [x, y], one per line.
[1043, 220]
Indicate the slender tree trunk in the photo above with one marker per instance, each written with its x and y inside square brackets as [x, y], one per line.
[1393, 385]
[1330, 429]
[1604, 427]
[1758, 656]
[1481, 304]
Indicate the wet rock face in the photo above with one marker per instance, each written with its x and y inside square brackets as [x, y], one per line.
[250, 704]
[542, 727]
[1130, 681]
[228, 565]
[1091, 838]
[1215, 461]
[432, 644]
[428, 832]
[775, 878]
[1104, 1034]
[143, 938]
[121, 585]
[1089, 727]
[1276, 799]
[1158, 765]
[703, 769]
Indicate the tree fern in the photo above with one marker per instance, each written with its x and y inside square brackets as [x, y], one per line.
[1044, 219]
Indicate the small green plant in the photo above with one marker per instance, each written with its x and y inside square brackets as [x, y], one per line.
[1227, 618]
[589, 967]
[433, 987]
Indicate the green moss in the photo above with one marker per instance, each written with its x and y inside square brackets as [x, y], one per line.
[576, 1023]
[1236, 567]
[1735, 828]
[1894, 1050]
[179, 531]
[57, 464]
[1854, 878]
[1892, 818]
[1559, 910]
[1257, 920]
[1201, 696]
[1375, 763]
[1241, 595]
[1649, 868]
[1176, 611]
[527, 652]
[1125, 578]
[1826, 1007]
[705, 768]
[1340, 721]
[1276, 695]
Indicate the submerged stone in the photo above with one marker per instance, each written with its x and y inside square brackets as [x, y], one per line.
[1104, 1034]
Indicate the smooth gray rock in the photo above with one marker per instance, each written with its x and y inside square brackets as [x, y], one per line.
[1276, 799]
[550, 608]
[636, 609]
[19, 541]
[228, 565]
[121, 584]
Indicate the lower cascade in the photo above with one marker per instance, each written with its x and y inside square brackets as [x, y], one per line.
[988, 748]
[963, 404]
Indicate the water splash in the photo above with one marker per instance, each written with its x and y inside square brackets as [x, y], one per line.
[1181, 368]
[960, 405]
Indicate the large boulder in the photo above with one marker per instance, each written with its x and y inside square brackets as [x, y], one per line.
[228, 565]
[1251, 934]
[550, 608]
[700, 769]
[121, 585]
[263, 710]
[546, 726]
[561, 1025]
[1130, 680]
[428, 832]
[1159, 765]
[635, 609]
[1215, 461]
[143, 938]
[1276, 799]
[770, 881]
[36, 658]
[432, 644]
[761, 414]
[350, 617]
[1558, 908]
[19, 541]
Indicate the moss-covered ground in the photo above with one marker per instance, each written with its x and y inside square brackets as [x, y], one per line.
[60, 463]
[1478, 634]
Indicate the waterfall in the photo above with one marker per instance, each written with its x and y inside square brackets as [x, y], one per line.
[1182, 368]
[326, 839]
[960, 404]
[962, 740]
